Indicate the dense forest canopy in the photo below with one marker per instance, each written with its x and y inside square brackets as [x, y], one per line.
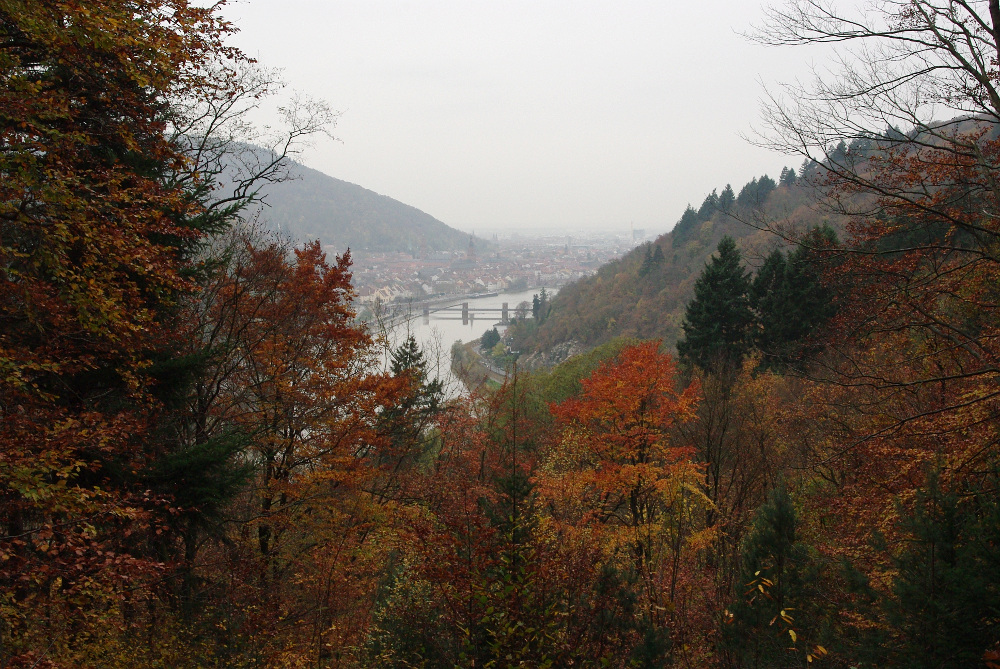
[209, 462]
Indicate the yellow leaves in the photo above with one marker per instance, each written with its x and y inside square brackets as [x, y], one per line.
[816, 653]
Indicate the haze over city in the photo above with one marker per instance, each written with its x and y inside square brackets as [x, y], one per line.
[526, 116]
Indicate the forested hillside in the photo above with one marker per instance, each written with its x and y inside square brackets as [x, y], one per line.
[208, 461]
[644, 293]
[306, 204]
[312, 205]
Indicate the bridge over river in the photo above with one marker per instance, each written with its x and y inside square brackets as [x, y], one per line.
[466, 308]
[440, 322]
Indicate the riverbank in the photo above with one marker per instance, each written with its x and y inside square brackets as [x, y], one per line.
[472, 369]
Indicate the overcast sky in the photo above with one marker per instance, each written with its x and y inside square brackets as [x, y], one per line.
[530, 115]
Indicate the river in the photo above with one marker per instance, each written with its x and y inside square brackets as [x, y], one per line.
[444, 327]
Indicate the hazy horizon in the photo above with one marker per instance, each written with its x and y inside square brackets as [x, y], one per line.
[569, 117]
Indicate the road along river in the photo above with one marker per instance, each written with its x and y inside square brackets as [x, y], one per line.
[444, 326]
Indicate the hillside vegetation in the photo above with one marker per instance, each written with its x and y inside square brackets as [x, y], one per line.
[314, 205]
[643, 294]
[209, 462]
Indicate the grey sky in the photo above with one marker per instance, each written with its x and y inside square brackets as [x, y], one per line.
[494, 115]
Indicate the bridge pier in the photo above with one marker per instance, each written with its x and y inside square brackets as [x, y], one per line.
[504, 315]
[465, 313]
[427, 314]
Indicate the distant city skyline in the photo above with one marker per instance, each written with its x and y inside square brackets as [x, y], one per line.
[525, 116]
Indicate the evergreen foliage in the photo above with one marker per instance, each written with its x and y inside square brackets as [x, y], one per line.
[688, 222]
[717, 322]
[755, 193]
[767, 297]
[774, 611]
[943, 605]
[652, 259]
[406, 423]
[727, 199]
[790, 300]
[787, 177]
[709, 206]
[489, 339]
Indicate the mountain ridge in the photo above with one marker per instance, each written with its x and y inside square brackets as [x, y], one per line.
[311, 204]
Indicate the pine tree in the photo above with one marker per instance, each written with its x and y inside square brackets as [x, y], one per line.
[489, 339]
[717, 322]
[767, 297]
[406, 423]
[658, 255]
[807, 301]
[787, 177]
[709, 206]
[727, 199]
[647, 261]
[946, 593]
[543, 305]
[687, 224]
[790, 300]
[774, 610]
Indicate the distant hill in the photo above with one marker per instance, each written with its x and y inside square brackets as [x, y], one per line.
[314, 205]
[644, 293]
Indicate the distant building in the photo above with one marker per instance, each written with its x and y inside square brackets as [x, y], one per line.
[469, 261]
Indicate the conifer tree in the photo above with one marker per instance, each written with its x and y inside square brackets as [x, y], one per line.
[491, 337]
[767, 299]
[406, 423]
[647, 261]
[686, 225]
[658, 255]
[708, 207]
[717, 322]
[773, 611]
[790, 300]
[727, 199]
[942, 611]
[787, 177]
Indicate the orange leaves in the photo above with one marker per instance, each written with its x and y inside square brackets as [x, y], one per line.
[615, 481]
[616, 436]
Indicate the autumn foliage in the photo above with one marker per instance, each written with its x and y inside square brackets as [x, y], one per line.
[209, 461]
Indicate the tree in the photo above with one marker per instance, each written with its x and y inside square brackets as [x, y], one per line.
[96, 244]
[489, 339]
[115, 116]
[903, 142]
[946, 588]
[775, 614]
[791, 300]
[727, 199]
[543, 307]
[709, 206]
[687, 224]
[717, 321]
[768, 299]
[921, 254]
[651, 259]
[615, 475]
[787, 177]
[407, 423]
